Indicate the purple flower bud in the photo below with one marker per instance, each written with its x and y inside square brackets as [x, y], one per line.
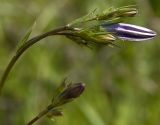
[69, 93]
[129, 32]
[73, 91]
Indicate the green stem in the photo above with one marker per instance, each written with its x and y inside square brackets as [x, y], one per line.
[40, 115]
[24, 47]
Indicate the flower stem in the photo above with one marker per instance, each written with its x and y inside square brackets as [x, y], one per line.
[41, 114]
[24, 47]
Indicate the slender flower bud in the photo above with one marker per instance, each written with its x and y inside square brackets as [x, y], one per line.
[73, 91]
[69, 94]
[129, 32]
[120, 12]
[127, 12]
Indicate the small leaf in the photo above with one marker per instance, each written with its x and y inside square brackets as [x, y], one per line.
[26, 36]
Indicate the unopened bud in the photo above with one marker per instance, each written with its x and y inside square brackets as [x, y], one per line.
[120, 12]
[73, 91]
[127, 12]
[68, 94]
[130, 32]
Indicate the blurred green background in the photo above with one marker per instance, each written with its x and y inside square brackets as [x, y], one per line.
[122, 84]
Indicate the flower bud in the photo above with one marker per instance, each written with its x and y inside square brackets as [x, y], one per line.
[120, 12]
[73, 91]
[69, 93]
[127, 12]
[129, 32]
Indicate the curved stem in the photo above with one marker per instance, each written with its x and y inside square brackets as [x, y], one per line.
[24, 47]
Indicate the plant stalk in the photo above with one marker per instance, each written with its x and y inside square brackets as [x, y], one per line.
[24, 47]
[40, 115]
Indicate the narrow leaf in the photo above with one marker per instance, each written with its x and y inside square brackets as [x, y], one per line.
[26, 36]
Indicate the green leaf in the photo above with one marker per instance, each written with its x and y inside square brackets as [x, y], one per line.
[26, 36]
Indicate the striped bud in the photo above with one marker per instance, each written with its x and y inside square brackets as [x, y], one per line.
[129, 32]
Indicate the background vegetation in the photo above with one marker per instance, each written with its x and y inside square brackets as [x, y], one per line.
[122, 84]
